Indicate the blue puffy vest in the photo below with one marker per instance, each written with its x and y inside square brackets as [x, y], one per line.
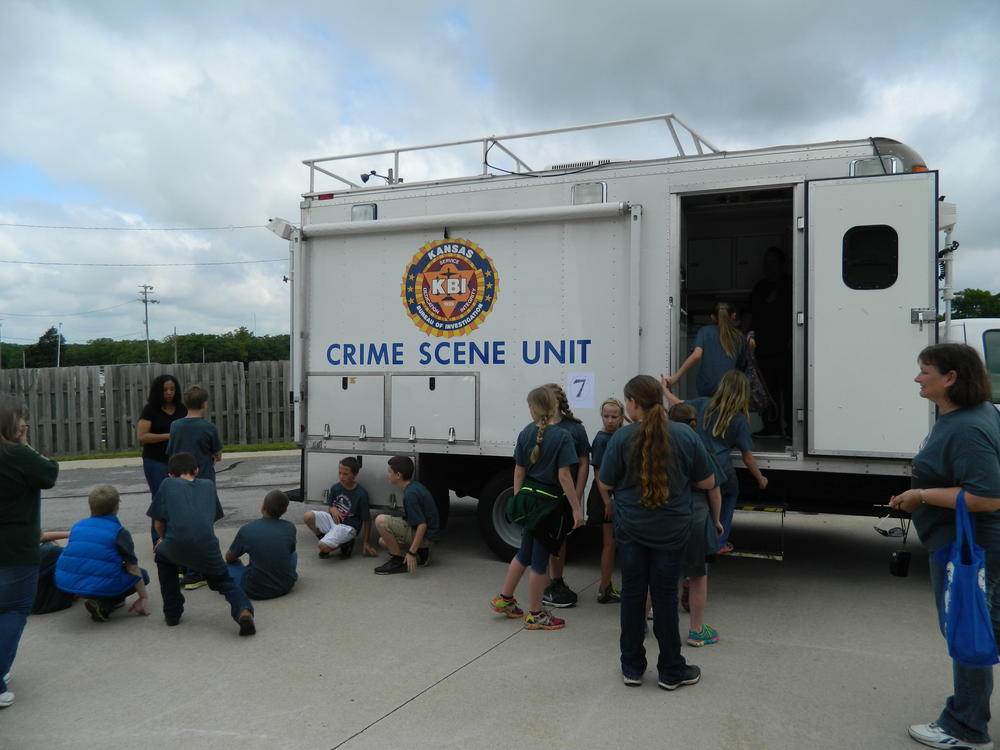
[91, 565]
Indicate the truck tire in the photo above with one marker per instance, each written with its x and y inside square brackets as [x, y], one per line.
[501, 536]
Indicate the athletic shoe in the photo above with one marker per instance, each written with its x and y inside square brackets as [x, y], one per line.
[558, 594]
[691, 675]
[424, 557]
[6, 699]
[610, 595]
[172, 621]
[704, 637]
[395, 564]
[246, 624]
[631, 681]
[543, 621]
[686, 596]
[933, 735]
[194, 581]
[726, 549]
[506, 607]
[346, 549]
[97, 612]
[324, 555]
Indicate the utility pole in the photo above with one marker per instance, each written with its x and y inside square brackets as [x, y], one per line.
[59, 344]
[175, 345]
[146, 302]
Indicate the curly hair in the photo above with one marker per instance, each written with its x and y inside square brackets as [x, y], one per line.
[732, 397]
[156, 390]
[543, 404]
[649, 453]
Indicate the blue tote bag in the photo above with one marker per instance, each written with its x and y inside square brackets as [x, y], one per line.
[967, 625]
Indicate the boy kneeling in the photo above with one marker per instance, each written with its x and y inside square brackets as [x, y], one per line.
[270, 542]
[418, 529]
[99, 562]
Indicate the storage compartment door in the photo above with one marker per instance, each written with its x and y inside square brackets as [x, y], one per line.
[871, 262]
[346, 406]
[434, 407]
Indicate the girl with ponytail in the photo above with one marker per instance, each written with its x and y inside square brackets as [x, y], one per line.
[651, 467]
[558, 593]
[719, 347]
[545, 503]
[723, 426]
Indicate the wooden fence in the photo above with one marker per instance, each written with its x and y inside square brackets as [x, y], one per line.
[79, 410]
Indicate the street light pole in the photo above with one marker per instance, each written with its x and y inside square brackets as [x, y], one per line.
[59, 344]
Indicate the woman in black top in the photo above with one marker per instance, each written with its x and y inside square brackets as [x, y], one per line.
[161, 409]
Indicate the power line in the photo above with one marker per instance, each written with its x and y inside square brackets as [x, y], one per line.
[143, 265]
[133, 229]
[64, 315]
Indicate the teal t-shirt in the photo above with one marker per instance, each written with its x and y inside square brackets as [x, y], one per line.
[190, 509]
[352, 503]
[668, 526]
[200, 438]
[419, 507]
[714, 361]
[556, 451]
[736, 437]
[581, 445]
[962, 450]
[270, 543]
[597, 448]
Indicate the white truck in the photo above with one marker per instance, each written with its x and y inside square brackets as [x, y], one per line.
[424, 311]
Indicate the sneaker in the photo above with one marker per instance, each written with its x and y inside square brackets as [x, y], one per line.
[323, 555]
[506, 607]
[631, 681]
[97, 612]
[346, 549]
[725, 549]
[610, 595]
[246, 624]
[172, 621]
[194, 581]
[543, 621]
[6, 699]
[686, 596]
[558, 594]
[394, 564]
[704, 637]
[691, 675]
[933, 735]
[424, 557]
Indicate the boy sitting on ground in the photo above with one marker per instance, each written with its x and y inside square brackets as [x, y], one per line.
[184, 513]
[347, 517]
[418, 529]
[99, 562]
[270, 542]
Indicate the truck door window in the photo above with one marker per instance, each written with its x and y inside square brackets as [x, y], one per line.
[364, 212]
[871, 257]
[589, 192]
[991, 352]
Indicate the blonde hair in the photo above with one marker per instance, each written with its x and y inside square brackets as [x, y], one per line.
[732, 397]
[729, 335]
[650, 451]
[612, 401]
[102, 500]
[562, 401]
[685, 414]
[543, 404]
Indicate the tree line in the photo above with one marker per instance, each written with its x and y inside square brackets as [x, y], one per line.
[236, 346]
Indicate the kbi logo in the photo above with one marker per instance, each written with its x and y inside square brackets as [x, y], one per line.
[449, 287]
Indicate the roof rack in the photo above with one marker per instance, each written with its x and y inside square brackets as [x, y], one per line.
[673, 123]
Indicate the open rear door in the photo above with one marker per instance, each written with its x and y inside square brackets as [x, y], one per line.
[871, 265]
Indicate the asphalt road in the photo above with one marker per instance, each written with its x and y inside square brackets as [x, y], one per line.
[823, 650]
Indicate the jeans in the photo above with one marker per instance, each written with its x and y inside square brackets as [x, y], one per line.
[966, 714]
[237, 570]
[17, 593]
[533, 553]
[730, 490]
[644, 568]
[155, 473]
[218, 580]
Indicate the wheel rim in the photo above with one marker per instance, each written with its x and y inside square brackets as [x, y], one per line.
[507, 531]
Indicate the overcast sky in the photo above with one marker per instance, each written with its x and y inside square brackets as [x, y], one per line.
[194, 114]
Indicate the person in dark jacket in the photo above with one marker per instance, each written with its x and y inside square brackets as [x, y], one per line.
[99, 563]
[24, 473]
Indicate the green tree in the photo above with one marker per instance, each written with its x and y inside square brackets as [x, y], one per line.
[975, 303]
[43, 353]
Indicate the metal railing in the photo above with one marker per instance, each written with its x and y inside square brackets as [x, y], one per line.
[673, 123]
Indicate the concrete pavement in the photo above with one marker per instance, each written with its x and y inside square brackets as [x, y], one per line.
[823, 650]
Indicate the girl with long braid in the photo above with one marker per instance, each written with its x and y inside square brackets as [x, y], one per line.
[651, 467]
[719, 347]
[724, 426]
[558, 593]
[545, 503]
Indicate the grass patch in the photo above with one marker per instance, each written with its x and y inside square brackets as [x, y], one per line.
[225, 450]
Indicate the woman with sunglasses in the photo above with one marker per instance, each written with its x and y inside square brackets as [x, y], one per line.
[962, 451]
